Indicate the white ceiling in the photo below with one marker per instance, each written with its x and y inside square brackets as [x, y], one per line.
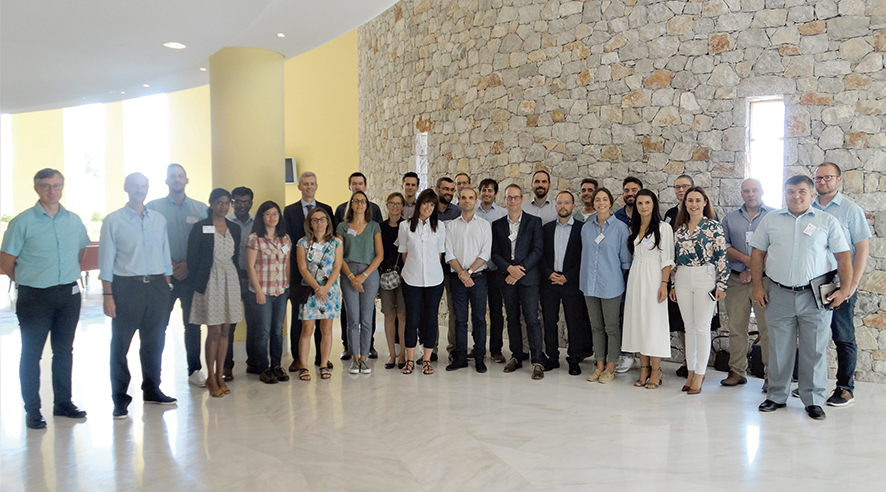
[60, 53]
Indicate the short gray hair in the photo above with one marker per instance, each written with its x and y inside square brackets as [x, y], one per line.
[306, 174]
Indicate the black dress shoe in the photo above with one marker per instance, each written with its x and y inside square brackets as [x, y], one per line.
[373, 354]
[480, 365]
[433, 356]
[574, 370]
[68, 410]
[34, 420]
[551, 364]
[345, 355]
[815, 412]
[456, 364]
[683, 371]
[770, 406]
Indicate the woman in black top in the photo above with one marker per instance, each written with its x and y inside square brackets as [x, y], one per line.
[392, 304]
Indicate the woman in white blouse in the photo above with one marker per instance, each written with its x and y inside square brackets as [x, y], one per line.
[422, 240]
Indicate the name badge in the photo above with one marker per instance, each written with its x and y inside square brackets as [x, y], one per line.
[208, 229]
[513, 237]
[667, 220]
[809, 230]
[315, 246]
[191, 219]
[748, 235]
[285, 249]
[352, 232]
[75, 289]
[599, 238]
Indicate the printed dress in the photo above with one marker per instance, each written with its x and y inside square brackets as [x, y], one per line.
[220, 303]
[646, 328]
[320, 258]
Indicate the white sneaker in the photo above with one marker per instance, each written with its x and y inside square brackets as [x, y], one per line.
[197, 379]
[355, 367]
[364, 367]
[624, 363]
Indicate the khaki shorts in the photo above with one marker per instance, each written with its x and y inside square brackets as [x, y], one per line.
[392, 301]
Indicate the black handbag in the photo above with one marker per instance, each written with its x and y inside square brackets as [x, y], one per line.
[301, 294]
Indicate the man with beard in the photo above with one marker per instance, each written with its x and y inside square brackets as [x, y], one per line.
[588, 187]
[630, 187]
[541, 206]
[446, 211]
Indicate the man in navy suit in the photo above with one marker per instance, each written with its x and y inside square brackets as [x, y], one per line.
[294, 215]
[560, 266]
[516, 251]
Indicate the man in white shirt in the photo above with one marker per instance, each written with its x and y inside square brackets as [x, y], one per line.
[468, 248]
[541, 206]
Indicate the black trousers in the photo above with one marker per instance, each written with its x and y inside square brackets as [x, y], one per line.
[494, 280]
[54, 310]
[143, 307]
[578, 332]
[523, 299]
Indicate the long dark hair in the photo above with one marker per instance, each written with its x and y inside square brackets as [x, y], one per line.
[683, 214]
[215, 195]
[258, 227]
[654, 221]
[427, 196]
[367, 215]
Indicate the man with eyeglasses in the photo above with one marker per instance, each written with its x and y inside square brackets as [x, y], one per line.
[462, 181]
[294, 214]
[588, 187]
[828, 178]
[447, 211]
[243, 198]
[41, 252]
[181, 213]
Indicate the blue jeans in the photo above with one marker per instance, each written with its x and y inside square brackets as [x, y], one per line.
[843, 332]
[476, 297]
[361, 308]
[41, 312]
[269, 318]
[523, 298]
[422, 306]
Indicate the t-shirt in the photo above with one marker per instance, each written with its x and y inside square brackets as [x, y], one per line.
[358, 248]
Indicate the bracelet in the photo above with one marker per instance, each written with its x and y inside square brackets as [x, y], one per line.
[364, 275]
[664, 281]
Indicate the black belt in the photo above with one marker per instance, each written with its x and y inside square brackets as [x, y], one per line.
[795, 289]
[143, 279]
[736, 272]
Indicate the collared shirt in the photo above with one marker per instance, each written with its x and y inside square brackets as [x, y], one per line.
[179, 220]
[452, 212]
[422, 247]
[408, 210]
[467, 241]
[561, 240]
[307, 206]
[738, 228]
[513, 229]
[546, 211]
[704, 245]
[131, 246]
[622, 215]
[798, 247]
[580, 216]
[270, 263]
[46, 247]
[494, 213]
[245, 230]
[852, 220]
[604, 256]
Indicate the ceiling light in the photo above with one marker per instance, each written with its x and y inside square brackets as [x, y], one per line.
[145, 85]
[174, 45]
[202, 69]
[281, 35]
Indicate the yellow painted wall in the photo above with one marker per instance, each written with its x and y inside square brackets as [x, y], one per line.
[37, 143]
[321, 116]
[115, 197]
[190, 138]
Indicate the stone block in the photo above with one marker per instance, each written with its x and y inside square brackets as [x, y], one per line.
[856, 81]
[611, 153]
[633, 99]
[664, 47]
[619, 72]
[811, 45]
[800, 66]
[719, 42]
[856, 140]
[614, 43]
[871, 106]
[770, 18]
[831, 68]
[769, 62]
[681, 152]
[734, 22]
[877, 321]
[680, 24]
[688, 103]
[812, 28]
[855, 48]
[825, 9]
[873, 62]
[814, 99]
[785, 35]
[831, 138]
[668, 115]
[880, 40]
[848, 27]
[659, 79]
[724, 76]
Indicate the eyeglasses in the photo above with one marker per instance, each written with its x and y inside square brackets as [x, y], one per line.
[243, 202]
[317, 220]
[395, 204]
[682, 187]
[826, 179]
[514, 198]
[47, 187]
[358, 201]
[270, 214]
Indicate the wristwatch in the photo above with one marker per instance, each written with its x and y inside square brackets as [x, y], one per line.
[470, 272]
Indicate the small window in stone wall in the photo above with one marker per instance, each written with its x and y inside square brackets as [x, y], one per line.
[421, 159]
[766, 148]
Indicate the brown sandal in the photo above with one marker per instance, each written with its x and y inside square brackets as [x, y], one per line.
[426, 368]
[304, 374]
[649, 384]
[407, 369]
[640, 382]
[325, 373]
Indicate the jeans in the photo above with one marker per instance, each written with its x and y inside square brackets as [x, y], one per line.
[496, 318]
[361, 309]
[461, 297]
[141, 307]
[523, 298]
[40, 312]
[249, 317]
[269, 336]
[843, 332]
[422, 306]
[182, 289]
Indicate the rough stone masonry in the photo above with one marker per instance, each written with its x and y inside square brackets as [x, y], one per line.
[607, 88]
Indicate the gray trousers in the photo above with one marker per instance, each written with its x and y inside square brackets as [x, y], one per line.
[360, 306]
[791, 314]
[604, 327]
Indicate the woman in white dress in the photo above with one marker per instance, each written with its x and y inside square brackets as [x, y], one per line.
[646, 328]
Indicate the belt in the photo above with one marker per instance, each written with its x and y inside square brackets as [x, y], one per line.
[795, 289]
[144, 279]
[736, 272]
[477, 274]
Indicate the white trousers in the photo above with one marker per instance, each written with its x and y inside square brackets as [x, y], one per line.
[693, 285]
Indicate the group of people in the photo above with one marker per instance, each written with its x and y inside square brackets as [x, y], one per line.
[626, 279]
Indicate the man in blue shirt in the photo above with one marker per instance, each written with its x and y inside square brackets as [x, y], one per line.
[133, 257]
[181, 213]
[796, 243]
[828, 178]
[41, 252]
[738, 227]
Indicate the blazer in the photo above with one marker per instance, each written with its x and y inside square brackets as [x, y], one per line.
[527, 251]
[200, 255]
[572, 260]
[294, 216]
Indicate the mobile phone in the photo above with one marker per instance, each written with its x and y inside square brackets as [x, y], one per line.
[713, 295]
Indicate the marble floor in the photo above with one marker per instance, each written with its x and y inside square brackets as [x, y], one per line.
[450, 431]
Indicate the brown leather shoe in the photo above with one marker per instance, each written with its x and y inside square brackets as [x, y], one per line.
[513, 365]
[294, 367]
[228, 374]
[734, 379]
[538, 371]
[498, 358]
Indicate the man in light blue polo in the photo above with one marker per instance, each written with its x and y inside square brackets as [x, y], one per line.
[41, 253]
[796, 243]
[828, 178]
[181, 213]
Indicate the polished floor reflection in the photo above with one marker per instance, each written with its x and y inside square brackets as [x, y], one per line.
[450, 431]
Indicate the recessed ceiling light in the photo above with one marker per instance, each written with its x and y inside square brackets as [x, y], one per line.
[122, 92]
[145, 85]
[281, 35]
[202, 69]
[174, 45]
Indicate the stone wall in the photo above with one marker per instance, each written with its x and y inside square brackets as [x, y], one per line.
[648, 88]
